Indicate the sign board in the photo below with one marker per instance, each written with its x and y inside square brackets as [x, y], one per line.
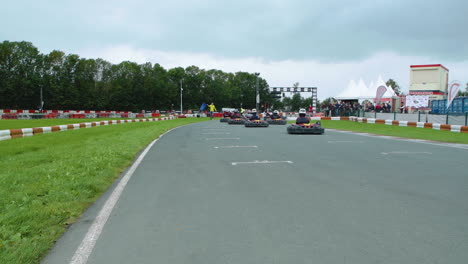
[417, 101]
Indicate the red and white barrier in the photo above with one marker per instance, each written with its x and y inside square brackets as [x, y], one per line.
[452, 128]
[27, 132]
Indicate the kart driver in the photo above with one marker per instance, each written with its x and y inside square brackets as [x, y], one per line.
[302, 119]
[275, 115]
[254, 115]
[236, 114]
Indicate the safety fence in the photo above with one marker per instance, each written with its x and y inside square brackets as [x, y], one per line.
[447, 119]
[75, 115]
[436, 126]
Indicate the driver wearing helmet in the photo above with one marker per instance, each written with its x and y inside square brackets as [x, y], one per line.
[254, 115]
[302, 119]
[227, 114]
[236, 114]
[275, 115]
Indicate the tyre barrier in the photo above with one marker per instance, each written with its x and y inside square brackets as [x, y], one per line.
[27, 132]
[256, 123]
[236, 121]
[224, 119]
[314, 129]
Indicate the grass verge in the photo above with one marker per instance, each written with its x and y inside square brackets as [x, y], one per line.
[25, 123]
[47, 181]
[397, 131]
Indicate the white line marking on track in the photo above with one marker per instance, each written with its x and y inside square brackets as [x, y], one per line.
[222, 133]
[405, 152]
[235, 147]
[222, 138]
[345, 141]
[86, 247]
[261, 162]
[442, 144]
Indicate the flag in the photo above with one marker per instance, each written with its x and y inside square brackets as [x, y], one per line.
[380, 92]
[452, 92]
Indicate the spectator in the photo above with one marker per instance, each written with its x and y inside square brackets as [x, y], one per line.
[212, 108]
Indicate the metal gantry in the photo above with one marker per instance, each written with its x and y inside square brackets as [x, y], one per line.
[293, 90]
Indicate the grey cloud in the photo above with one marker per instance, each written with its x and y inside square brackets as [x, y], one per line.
[277, 30]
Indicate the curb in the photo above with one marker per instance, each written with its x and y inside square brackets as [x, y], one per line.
[28, 132]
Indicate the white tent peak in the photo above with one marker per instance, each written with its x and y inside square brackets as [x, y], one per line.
[363, 91]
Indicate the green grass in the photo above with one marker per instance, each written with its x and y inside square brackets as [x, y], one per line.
[30, 123]
[48, 180]
[397, 131]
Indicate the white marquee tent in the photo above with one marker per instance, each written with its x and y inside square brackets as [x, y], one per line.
[362, 92]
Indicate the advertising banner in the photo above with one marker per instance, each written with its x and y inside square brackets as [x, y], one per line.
[417, 101]
[452, 92]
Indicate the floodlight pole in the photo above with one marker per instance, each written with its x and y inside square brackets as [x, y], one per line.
[257, 95]
[181, 89]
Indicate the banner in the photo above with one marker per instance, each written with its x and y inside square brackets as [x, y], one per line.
[380, 92]
[417, 101]
[452, 92]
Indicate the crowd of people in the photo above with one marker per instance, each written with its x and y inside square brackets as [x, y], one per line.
[340, 108]
[348, 108]
[379, 108]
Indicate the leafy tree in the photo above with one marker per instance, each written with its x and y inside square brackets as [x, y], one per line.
[296, 102]
[71, 82]
[463, 93]
[394, 85]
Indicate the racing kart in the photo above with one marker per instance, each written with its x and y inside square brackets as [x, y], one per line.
[278, 121]
[256, 123]
[306, 128]
[224, 119]
[236, 121]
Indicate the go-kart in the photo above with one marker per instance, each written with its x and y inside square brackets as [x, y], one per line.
[306, 128]
[256, 123]
[224, 119]
[236, 121]
[278, 121]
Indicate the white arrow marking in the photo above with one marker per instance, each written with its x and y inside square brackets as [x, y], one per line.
[260, 162]
[405, 152]
[235, 147]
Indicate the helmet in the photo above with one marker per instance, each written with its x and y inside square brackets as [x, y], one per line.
[275, 112]
[236, 111]
[254, 110]
[302, 111]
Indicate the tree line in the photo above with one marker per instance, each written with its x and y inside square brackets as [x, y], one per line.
[70, 82]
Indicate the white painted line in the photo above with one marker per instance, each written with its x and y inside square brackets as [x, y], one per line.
[405, 152]
[235, 147]
[442, 144]
[215, 133]
[345, 141]
[221, 138]
[260, 162]
[87, 244]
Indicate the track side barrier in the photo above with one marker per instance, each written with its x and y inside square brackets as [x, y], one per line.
[452, 128]
[27, 132]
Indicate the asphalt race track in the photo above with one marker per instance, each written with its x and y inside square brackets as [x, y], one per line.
[212, 193]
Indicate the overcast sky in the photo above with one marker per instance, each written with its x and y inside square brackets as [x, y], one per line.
[315, 43]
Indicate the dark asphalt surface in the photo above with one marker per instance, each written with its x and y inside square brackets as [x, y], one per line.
[344, 199]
